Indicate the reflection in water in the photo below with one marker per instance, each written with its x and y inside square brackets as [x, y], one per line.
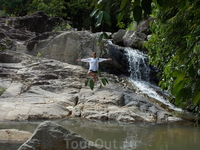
[124, 136]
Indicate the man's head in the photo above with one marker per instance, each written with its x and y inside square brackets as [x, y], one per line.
[94, 55]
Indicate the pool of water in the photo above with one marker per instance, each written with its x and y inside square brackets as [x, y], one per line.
[122, 136]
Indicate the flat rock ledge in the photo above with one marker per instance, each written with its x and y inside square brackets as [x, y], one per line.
[51, 136]
[39, 88]
[14, 136]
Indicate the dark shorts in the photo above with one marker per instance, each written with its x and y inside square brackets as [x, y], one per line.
[93, 71]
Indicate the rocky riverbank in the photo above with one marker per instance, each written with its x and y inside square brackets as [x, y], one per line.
[52, 86]
[39, 88]
[51, 136]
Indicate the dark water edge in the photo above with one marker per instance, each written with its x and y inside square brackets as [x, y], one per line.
[9, 146]
[122, 135]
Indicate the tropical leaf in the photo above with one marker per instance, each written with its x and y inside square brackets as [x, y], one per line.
[91, 84]
[179, 97]
[107, 17]
[105, 35]
[106, 80]
[103, 81]
[177, 87]
[100, 37]
[120, 17]
[99, 16]
[86, 82]
[177, 81]
[196, 97]
[124, 3]
[94, 12]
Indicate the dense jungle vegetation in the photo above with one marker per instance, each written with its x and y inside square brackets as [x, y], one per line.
[174, 46]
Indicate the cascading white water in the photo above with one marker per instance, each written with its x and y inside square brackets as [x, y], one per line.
[140, 76]
[138, 63]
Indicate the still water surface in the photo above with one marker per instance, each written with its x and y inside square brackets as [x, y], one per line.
[123, 136]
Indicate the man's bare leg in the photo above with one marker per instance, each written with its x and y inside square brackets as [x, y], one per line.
[94, 75]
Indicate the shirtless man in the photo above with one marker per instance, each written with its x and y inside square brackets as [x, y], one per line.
[94, 64]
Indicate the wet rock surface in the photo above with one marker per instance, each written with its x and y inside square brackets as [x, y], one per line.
[39, 88]
[51, 136]
[14, 136]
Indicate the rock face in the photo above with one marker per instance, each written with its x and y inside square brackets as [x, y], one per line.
[27, 29]
[132, 39]
[69, 46]
[38, 22]
[13, 135]
[51, 136]
[144, 26]
[38, 88]
[33, 33]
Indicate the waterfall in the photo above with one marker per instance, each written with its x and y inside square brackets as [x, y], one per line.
[140, 76]
[138, 64]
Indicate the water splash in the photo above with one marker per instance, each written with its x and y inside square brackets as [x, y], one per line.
[138, 63]
[140, 76]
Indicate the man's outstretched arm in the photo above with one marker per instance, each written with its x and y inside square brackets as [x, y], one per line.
[84, 60]
[104, 59]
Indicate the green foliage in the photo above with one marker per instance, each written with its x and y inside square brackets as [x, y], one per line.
[2, 91]
[14, 7]
[91, 83]
[38, 55]
[62, 27]
[101, 14]
[103, 81]
[120, 12]
[52, 8]
[78, 11]
[175, 48]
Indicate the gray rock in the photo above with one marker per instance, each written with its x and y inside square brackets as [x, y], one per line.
[144, 26]
[118, 36]
[134, 39]
[39, 88]
[14, 136]
[68, 47]
[51, 136]
[38, 22]
[26, 111]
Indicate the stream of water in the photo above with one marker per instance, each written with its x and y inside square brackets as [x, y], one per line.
[140, 76]
[126, 136]
[123, 136]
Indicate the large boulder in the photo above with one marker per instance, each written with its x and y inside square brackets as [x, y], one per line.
[39, 41]
[129, 38]
[118, 37]
[134, 39]
[31, 28]
[68, 46]
[119, 64]
[144, 26]
[51, 136]
[38, 22]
